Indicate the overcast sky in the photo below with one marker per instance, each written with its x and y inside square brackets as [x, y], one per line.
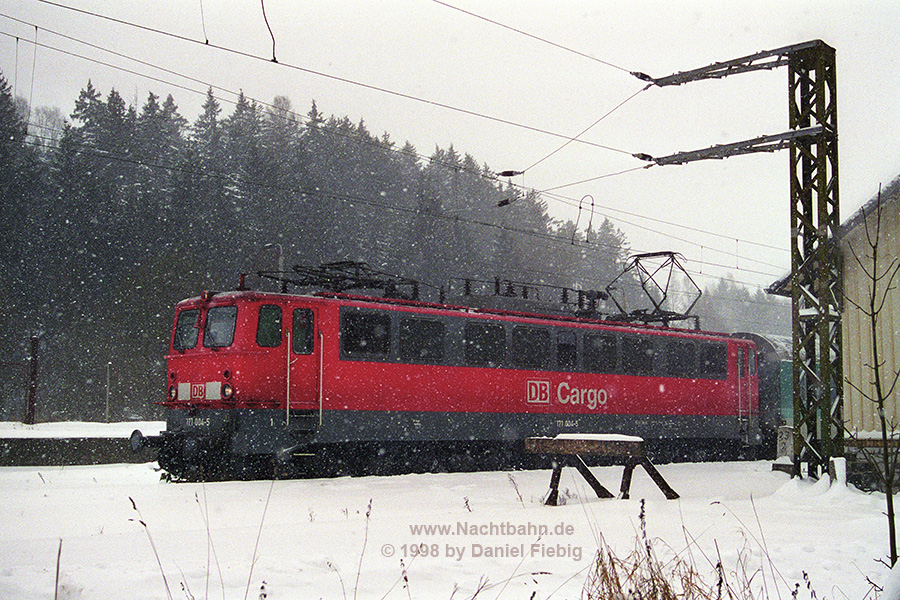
[446, 77]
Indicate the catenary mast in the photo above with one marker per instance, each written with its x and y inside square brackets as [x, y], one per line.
[815, 284]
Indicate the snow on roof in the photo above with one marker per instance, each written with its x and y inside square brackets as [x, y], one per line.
[890, 193]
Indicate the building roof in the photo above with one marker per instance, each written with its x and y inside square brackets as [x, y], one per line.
[889, 194]
[782, 285]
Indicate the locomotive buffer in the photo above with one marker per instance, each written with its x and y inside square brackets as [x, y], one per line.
[571, 447]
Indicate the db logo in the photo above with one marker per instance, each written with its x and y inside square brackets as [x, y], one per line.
[198, 391]
[538, 391]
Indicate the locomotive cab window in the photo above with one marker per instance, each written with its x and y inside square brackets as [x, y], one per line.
[268, 326]
[485, 344]
[713, 360]
[303, 331]
[186, 332]
[365, 334]
[530, 347]
[220, 321]
[421, 340]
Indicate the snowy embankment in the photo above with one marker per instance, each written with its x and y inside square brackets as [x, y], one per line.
[75, 429]
[422, 536]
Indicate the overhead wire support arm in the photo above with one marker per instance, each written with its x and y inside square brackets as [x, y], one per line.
[766, 143]
[768, 59]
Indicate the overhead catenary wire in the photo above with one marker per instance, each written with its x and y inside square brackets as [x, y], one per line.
[318, 192]
[533, 36]
[568, 139]
[588, 128]
[198, 81]
[633, 224]
[572, 202]
[546, 191]
[16, 69]
[269, 27]
[543, 192]
[353, 82]
[219, 88]
[508, 228]
[203, 23]
[206, 84]
[591, 248]
[567, 49]
[33, 70]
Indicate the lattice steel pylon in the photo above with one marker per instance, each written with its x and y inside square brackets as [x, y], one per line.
[815, 285]
[816, 281]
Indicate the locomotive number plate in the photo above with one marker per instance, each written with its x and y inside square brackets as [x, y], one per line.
[196, 422]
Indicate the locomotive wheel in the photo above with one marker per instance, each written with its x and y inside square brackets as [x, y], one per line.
[172, 463]
[250, 466]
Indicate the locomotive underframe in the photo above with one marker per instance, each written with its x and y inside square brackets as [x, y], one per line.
[223, 442]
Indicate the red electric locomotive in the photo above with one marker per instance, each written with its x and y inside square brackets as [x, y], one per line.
[258, 378]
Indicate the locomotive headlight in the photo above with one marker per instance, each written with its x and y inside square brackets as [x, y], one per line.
[227, 391]
[173, 392]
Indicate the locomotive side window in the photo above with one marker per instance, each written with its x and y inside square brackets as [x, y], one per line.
[220, 321]
[485, 344]
[530, 347]
[637, 355]
[600, 352]
[186, 332]
[566, 350]
[268, 327]
[303, 331]
[421, 340]
[713, 360]
[365, 333]
[681, 358]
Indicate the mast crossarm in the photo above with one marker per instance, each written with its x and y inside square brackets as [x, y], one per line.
[767, 59]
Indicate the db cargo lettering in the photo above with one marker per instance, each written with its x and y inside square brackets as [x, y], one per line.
[538, 391]
[591, 397]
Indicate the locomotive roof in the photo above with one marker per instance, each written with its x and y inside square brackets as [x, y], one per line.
[382, 302]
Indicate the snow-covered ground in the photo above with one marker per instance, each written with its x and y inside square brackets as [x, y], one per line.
[379, 537]
[77, 429]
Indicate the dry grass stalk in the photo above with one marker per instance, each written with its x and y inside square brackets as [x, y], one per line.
[642, 576]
